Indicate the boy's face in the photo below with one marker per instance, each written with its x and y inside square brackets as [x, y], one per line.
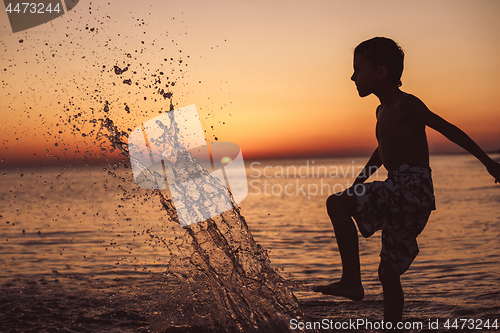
[364, 76]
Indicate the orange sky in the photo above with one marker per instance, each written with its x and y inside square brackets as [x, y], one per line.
[273, 77]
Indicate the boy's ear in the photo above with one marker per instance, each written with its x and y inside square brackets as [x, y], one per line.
[382, 72]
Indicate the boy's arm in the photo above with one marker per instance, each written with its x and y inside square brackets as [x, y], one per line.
[371, 166]
[421, 113]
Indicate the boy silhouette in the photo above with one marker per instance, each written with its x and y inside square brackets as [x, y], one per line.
[399, 206]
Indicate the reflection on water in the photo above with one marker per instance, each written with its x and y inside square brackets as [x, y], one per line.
[211, 276]
[455, 274]
[83, 250]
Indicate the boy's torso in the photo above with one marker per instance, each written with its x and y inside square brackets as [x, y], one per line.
[401, 139]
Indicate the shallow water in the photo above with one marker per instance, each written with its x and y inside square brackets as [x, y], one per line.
[81, 252]
[83, 231]
[454, 276]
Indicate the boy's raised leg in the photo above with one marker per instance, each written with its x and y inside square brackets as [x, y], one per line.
[340, 208]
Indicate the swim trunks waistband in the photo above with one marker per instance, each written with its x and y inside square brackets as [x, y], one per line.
[411, 167]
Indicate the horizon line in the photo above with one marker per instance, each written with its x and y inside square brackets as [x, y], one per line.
[110, 160]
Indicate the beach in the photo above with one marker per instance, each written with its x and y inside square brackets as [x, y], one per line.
[83, 250]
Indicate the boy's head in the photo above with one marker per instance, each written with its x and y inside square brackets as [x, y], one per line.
[381, 51]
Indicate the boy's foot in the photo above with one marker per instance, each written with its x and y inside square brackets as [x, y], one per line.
[344, 289]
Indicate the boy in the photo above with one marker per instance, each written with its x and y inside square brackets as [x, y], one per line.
[400, 205]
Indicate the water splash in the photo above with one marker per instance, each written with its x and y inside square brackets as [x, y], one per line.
[223, 279]
[218, 277]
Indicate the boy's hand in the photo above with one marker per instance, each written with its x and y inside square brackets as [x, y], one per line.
[494, 170]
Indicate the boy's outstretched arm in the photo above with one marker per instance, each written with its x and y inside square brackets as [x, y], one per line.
[421, 113]
[371, 166]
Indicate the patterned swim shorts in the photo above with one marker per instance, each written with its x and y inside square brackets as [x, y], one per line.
[399, 206]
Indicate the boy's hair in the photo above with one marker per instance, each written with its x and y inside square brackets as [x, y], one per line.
[381, 51]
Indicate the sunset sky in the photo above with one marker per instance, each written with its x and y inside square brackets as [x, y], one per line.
[270, 76]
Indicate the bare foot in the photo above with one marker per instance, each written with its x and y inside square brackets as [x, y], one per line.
[344, 289]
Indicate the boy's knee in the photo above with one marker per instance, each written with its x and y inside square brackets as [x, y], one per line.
[340, 201]
[333, 203]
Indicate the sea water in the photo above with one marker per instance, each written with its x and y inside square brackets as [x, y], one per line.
[84, 249]
[455, 276]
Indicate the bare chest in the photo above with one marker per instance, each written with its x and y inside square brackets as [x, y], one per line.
[389, 123]
[396, 126]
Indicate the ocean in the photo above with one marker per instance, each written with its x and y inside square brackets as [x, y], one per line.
[84, 250]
